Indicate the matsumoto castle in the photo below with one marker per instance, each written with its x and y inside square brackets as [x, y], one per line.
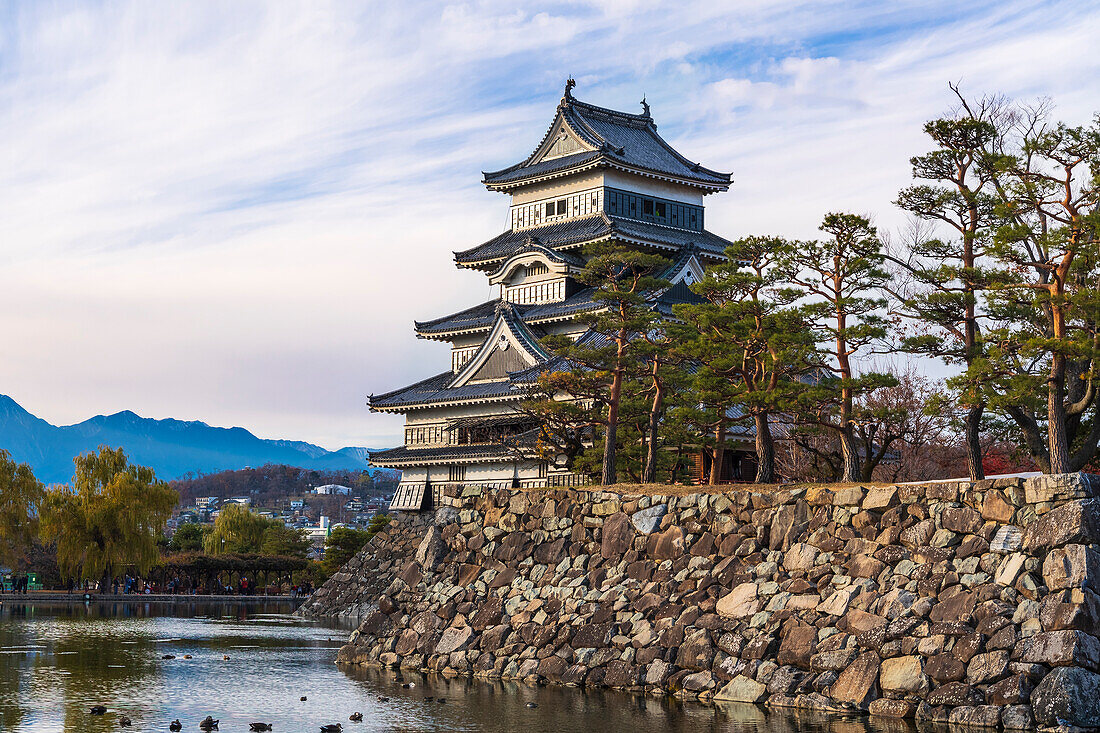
[596, 175]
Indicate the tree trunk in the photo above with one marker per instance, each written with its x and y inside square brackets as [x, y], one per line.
[974, 443]
[849, 473]
[765, 451]
[610, 436]
[1057, 443]
[649, 475]
[719, 453]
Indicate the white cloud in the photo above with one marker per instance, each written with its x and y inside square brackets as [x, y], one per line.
[233, 212]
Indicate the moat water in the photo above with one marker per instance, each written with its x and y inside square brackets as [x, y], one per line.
[56, 662]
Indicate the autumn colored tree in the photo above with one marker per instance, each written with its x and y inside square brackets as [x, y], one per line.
[110, 517]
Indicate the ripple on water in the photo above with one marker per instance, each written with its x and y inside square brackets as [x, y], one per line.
[116, 661]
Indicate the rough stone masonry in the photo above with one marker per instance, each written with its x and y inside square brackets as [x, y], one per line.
[970, 603]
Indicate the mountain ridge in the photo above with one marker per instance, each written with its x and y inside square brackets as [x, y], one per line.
[171, 447]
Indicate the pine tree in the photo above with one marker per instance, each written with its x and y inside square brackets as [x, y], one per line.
[749, 342]
[1046, 291]
[622, 278]
[942, 295]
[839, 278]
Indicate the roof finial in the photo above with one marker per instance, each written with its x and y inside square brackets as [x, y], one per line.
[569, 84]
[645, 107]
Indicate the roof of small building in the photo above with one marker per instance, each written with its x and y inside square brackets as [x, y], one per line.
[594, 227]
[615, 140]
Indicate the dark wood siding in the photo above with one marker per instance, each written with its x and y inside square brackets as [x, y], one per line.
[500, 363]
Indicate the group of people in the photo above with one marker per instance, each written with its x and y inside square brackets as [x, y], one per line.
[301, 591]
[17, 584]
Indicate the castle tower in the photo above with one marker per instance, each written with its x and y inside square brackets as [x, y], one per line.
[596, 175]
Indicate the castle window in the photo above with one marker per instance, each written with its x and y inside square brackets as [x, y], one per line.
[549, 208]
[562, 206]
[647, 207]
[660, 209]
[456, 473]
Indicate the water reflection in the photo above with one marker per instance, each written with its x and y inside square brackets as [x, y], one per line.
[56, 662]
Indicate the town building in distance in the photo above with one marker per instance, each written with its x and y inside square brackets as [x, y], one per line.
[596, 175]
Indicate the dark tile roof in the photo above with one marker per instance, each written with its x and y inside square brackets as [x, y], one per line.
[404, 454]
[620, 139]
[579, 231]
[435, 390]
[481, 317]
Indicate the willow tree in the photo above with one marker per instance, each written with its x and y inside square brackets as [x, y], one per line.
[947, 276]
[749, 341]
[21, 494]
[840, 278]
[236, 530]
[110, 517]
[1046, 294]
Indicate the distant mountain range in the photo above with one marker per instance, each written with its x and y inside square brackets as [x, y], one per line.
[172, 448]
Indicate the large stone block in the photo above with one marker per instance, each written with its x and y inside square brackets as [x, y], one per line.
[617, 536]
[742, 689]
[858, 684]
[1076, 608]
[697, 652]
[997, 507]
[1038, 489]
[453, 640]
[1072, 566]
[1068, 696]
[667, 545]
[648, 520]
[1060, 649]
[987, 667]
[431, 549]
[741, 602]
[963, 520]
[881, 498]
[1077, 522]
[903, 675]
[798, 646]
[800, 556]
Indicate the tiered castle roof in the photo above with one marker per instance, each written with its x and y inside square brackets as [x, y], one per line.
[585, 137]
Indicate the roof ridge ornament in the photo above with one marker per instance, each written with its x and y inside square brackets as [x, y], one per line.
[645, 107]
[569, 84]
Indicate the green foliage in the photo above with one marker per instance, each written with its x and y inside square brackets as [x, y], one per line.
[189, 537]
[21, 494]
[109, 519]
[622, 277]
[283, 541]
[377, 523]
[750, 342]
[839, 280]
[342, 545]
[1045, 291]
[941, 293]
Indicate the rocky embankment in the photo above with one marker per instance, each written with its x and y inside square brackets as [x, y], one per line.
[971, 603]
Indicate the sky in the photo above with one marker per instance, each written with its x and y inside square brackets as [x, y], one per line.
[233, 212]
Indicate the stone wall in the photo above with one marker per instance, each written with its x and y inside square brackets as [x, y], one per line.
[957, 602]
